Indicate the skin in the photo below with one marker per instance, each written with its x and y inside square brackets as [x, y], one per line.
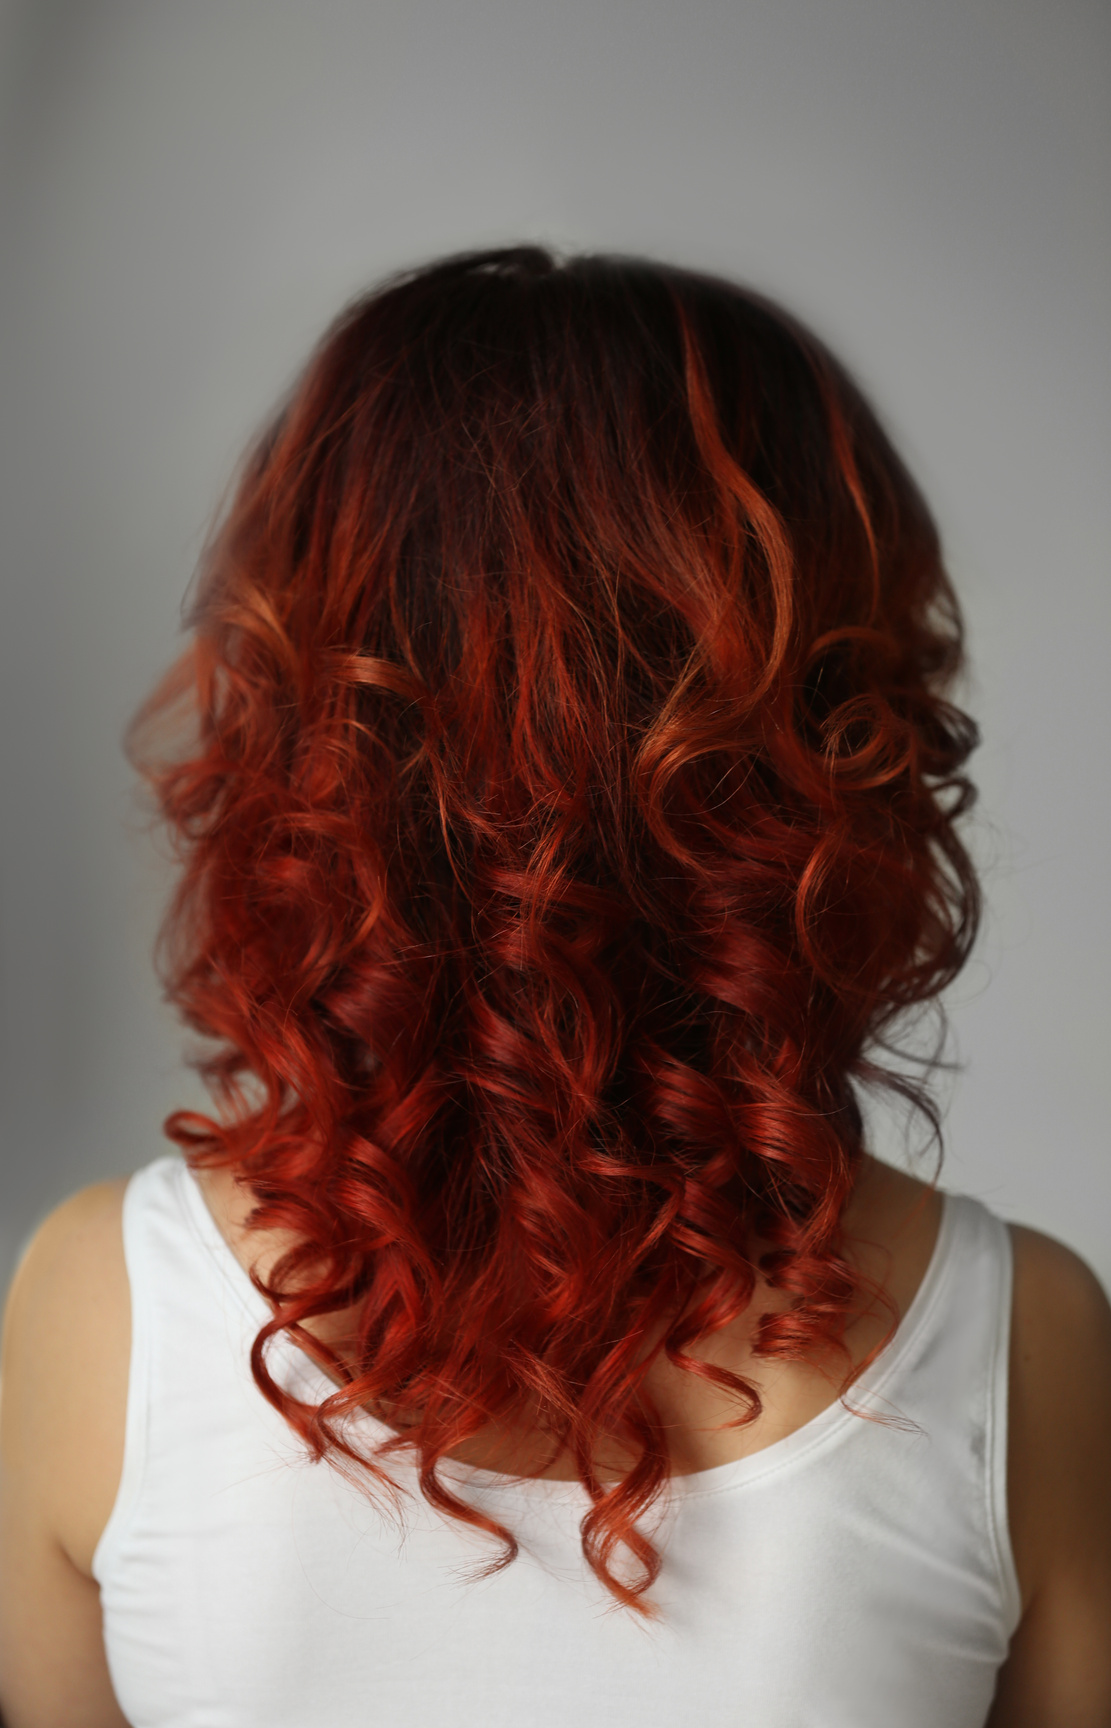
[66, 1350]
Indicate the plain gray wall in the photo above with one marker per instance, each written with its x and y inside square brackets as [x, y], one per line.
[192, 189]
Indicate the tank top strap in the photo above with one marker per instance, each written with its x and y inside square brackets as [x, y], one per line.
[194, 1317]
[950, 1371]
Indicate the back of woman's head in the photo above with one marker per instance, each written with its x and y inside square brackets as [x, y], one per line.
[567, 821]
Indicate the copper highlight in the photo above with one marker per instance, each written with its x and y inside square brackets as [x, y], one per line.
[568, 818]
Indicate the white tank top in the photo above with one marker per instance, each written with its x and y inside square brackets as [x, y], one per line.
[857, 1574]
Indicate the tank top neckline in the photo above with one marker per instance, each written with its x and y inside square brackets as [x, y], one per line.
[864, 1395]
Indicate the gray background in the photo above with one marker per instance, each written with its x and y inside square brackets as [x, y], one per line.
[192, 189]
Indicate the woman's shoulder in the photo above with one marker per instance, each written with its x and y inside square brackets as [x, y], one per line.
[62, 1415]
[1058, 1488]
[72, 1269]
[71, 1281]
[1060, 1375]
[83, 1220]
[66, 1352]
[1043, 1264]
[1060, 1345]
[1060, 1399]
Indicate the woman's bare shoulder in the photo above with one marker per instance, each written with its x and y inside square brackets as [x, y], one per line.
[1059, 1489]
[1060, 1359]
[91, 1217]
[71, 1275]
[1043, 1263]
[67, 1346]
[1061, 1376]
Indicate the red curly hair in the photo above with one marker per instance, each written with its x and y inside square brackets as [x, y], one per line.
[568, 818]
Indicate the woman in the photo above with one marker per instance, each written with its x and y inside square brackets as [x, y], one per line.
[567, 795]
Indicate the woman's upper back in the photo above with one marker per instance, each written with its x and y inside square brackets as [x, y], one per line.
[822, 1574]
[845, 1547]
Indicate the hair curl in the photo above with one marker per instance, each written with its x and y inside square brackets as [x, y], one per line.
[569, 818]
